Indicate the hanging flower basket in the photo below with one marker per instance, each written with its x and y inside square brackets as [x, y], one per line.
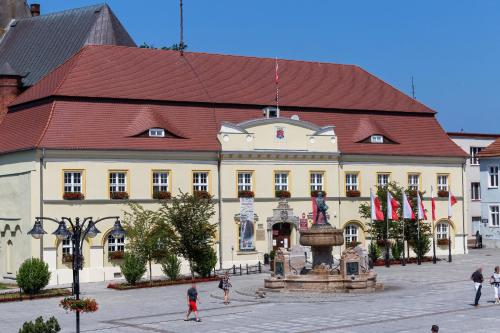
[67, 258]
[116, 255]
[246, 194]
[443, 241]
[282, 194]
[443, 194]
[73, 196]
[162, 195]
[80, 305]
[314, 194]
[201, 195]
[353, 193]
[119, 195]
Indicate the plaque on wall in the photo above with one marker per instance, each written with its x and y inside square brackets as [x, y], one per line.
[352, 268]
[260, 235]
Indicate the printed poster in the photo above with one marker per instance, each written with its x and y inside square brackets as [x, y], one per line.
[246, 224]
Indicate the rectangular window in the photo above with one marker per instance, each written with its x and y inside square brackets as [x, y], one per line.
[116, 244]
[157, 132]
[473, 155]
[442, 182]
[72, 181]
[377, 139]
[244, 181]
[117, 181]
[67, 247]
[351, 181]
[281, 181]
[494, 216]
[413, 181]
[316, 179]
[442, 231]
[160, 181]
[475, 191]
[493, 176]
[200, 181]
[382, 179]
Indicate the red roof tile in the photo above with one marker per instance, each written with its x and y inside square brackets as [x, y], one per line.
[493, 150]
[134, 73]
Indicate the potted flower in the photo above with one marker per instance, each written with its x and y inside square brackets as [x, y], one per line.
[116, 255]
[443, 194]
[119, 195]
[67, 258]
[443, 241]
[282, 194]
[79, 305]
[73, 196]
[314, 194]
[352, 193]
[162, 195]
[353, 244]
[245, 194]
[201, 194]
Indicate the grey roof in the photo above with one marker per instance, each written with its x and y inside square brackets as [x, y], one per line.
[37, 45]
[12, 9]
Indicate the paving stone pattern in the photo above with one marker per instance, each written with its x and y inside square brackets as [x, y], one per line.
[415, 298]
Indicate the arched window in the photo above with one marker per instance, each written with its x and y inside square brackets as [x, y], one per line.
[116, 244]
[442, 230]
[351, 233]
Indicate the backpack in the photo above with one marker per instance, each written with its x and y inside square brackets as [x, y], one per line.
[220, 284]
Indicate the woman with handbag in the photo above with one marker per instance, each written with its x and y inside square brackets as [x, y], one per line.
[225, 284]
[495, 282]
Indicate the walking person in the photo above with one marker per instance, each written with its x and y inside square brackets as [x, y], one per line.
[495, 282]
[226, 284]
[192, 298]
[477, 278]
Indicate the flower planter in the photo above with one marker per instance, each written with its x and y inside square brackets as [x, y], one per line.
[352, 193]
[116, 255]
[67, 258]
[353, 244]
[245, 194]
[79, 305]
[73, 196]
[314, 194]
[443, 194]
[443, 242]
[282, 194]
[119, 195]
[162, 195]
[201, 194]
[160, 283]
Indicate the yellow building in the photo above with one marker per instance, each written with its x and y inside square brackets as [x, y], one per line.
[115, 124]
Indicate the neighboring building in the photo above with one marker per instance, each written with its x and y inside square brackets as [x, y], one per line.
[490, 191]
[472, 144]
[119, 119]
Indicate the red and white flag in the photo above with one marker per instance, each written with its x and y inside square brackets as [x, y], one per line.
[407, 210]
[392, 207]
[377, 214]
[421, 210]
[277, 78]
[451, 201]
[433, 203]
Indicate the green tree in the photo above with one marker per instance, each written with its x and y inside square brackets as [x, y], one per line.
[190, 215]
[41, 326]
[205, 262]
[133, 268]
[33, 276]
[149, 237]
[173, 47]
[171, 267]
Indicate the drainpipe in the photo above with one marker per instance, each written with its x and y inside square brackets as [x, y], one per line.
[42, 162]
[220, 207]
[463, 206]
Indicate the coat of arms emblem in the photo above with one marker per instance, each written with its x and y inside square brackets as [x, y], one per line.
[280, 133]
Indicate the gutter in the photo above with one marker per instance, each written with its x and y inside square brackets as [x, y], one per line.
[463, 207]
[220, 207]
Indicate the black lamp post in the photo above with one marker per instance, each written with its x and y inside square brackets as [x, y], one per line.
[79, 231]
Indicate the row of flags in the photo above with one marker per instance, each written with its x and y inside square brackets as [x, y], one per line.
[408, 213]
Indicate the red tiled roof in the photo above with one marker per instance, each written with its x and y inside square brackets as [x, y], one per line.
[144, 74]
[493, 150]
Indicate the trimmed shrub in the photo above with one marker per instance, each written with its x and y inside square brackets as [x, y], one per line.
[41, 326]
[423, 246]
[205, 262]
[33, 276]
[133, 268]
[171, 267]
[397, 249]
[374, 251]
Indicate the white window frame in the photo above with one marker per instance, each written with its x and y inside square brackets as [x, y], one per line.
[473, 155]
[116, 244]
[494, 215]
[114, 181]
[376, 138]
[316, 180]
[493, 176]
[351, 181]
[281, 180]
[475, 191]
[351, 233]
[70, 183]
[67, 246]
[381, 182]
[442, 182]
[200, 181]
[161, 181]
[245, 179]
[413, 186]
[157, 132]
[442, 230]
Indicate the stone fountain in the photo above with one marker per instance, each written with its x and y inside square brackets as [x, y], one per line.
[352, 274]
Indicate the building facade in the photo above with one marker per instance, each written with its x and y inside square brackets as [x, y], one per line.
[202, 122]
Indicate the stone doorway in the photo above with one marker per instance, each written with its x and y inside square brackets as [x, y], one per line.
[282, 227]
[281, 235]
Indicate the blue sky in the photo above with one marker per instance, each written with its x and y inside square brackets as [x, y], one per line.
[451, 47]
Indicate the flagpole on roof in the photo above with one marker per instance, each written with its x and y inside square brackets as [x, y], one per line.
[181, 43]
[276, 80]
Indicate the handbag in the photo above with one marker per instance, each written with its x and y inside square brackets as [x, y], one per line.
[220, 284]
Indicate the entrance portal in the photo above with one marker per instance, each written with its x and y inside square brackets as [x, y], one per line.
[281, 235]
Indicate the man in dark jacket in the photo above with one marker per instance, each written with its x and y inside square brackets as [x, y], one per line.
[477, 278]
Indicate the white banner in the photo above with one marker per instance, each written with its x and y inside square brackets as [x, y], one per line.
[246, 224]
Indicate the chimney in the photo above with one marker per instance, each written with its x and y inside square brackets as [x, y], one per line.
[10, 87]
[35, 9]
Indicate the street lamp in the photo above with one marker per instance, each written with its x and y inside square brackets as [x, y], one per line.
[79, 230]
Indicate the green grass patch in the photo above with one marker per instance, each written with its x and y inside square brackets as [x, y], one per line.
[16, 296]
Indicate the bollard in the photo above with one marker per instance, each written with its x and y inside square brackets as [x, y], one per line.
[240, 270]
[260, 267]
[247, 269]
[449, 248]
[234, 270]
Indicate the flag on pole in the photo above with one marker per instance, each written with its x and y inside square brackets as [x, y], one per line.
[377, 214]
[276, 80]
[407, 210]
[277, 77]
[421, 210]
[433, 203]
[392, 207]
[451, 201]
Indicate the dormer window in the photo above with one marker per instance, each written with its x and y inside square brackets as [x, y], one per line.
[271, 112]
[377, 139]
[157, 133]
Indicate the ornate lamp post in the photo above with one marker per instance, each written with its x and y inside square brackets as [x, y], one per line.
[78, 232]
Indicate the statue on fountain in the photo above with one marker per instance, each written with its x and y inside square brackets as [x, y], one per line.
[321, 208]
